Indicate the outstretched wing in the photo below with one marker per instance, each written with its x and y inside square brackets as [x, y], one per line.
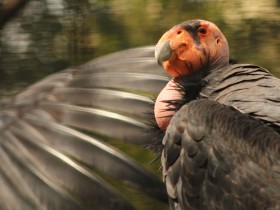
[214, 157]
[57, 136]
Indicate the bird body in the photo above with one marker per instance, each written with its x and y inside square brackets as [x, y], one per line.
[222, 147]
[215, 157]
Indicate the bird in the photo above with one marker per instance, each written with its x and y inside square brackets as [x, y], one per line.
[220, 120]
[58, 137]
[219, 146]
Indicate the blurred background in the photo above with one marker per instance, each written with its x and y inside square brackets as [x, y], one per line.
[45, 36]
[40, 37]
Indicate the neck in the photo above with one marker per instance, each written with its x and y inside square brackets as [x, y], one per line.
[219, 55]
[215, 79]
[190, 86]
[218, 64]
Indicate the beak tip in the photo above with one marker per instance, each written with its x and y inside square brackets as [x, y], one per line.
[163, 52]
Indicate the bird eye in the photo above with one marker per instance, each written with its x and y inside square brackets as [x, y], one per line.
[202, 30]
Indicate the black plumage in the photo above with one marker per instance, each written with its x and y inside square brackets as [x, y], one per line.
[218, 158]
[222, 147]
[251, 89]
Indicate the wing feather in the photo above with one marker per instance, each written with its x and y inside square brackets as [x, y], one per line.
[54, 136]
[225, 159]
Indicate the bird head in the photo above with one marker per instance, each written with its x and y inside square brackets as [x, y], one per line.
[185, 49]
[191, 46]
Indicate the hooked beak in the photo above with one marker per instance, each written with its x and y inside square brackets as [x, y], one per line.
[163, 52]
[175, 51]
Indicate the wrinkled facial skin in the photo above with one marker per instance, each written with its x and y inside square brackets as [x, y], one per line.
[187, 48]
[191, 46]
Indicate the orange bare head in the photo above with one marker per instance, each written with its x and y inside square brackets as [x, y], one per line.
[192, 46]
